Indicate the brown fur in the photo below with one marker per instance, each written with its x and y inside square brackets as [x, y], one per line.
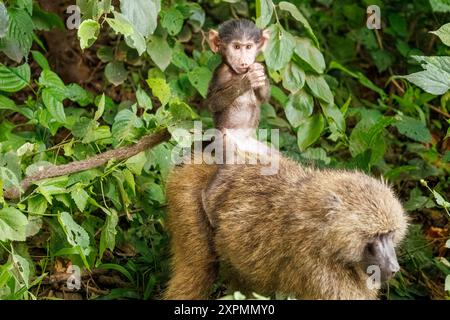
[300, 232]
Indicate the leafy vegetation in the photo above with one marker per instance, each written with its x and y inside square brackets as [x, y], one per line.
[343, 96]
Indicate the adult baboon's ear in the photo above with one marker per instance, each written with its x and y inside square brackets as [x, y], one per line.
[213, 40]
[264, 39]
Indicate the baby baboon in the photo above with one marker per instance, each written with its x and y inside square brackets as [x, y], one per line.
[303, 232]
[236, 91]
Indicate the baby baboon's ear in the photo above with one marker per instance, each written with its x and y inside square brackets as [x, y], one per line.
[214, 40]
[264, 39]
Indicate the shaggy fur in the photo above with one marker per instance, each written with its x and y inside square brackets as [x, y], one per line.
[300, 232]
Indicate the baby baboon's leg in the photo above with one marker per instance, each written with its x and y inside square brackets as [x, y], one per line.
[194, 263]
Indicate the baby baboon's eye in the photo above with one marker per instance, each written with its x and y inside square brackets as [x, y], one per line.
[249, 46]
[237, 47]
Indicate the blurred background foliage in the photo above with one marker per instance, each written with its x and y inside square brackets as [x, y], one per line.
[342, 96]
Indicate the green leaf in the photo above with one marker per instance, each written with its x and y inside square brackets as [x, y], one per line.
[9, 178]
[125, 126]
[299, 107]
[53, 105]
[447, 278]
[7, 104]
[51, 186]
[116, 73]
[50, 79]
[309, 131]
[293, 10]
[136, 163]
[20, 32]
[414, 129]
[440, 5]
[12, 225]
[155, 192]
[14, 79]
[22, 266]
[443, 33]
[182, 61]
[264, 12]
[40, 59]
[319, 88]
[142, 14]
[120, 24]
[137, 41]
[105, 54]
[88, 32]
[199, 78]
[368, 135]
[108, 235]
[360, 77]
[75, 234]
[280, 48]
[76, 93]
[159, 50]
[435, 79]
[80, 197]
[293, 77]
[172, 20]
[309, 54]
[118, 268]
[37, 205]
[334, 116]
[4, 19]
[101, 108]
[440, 200]
[160, 89]
[382, 59]
[143, 99]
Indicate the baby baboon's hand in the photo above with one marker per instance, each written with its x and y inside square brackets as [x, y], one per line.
[256, 75]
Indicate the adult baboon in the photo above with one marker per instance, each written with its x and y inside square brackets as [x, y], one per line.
[304, 232]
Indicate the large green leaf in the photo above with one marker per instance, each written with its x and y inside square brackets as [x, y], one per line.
[199, 78]
[4, 18]
[293, 77]
[88, 33]
[299, 107]
[115, 72]
[160, 89]
[319, 88]
[75, 234]
[435, 79]
[142, 14]
[264, 12]
[280, 48]
[444, 34]
[53, 104]
[308, 53]
[126, 125]
[295, 12]
[309, 131]
[120, 24]
[172, 20]
[108, 235]
[414, 129]
[440, 5]
[160, 52]
[80, 197]
[12, 225]
[14, 79]
[20, 34]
